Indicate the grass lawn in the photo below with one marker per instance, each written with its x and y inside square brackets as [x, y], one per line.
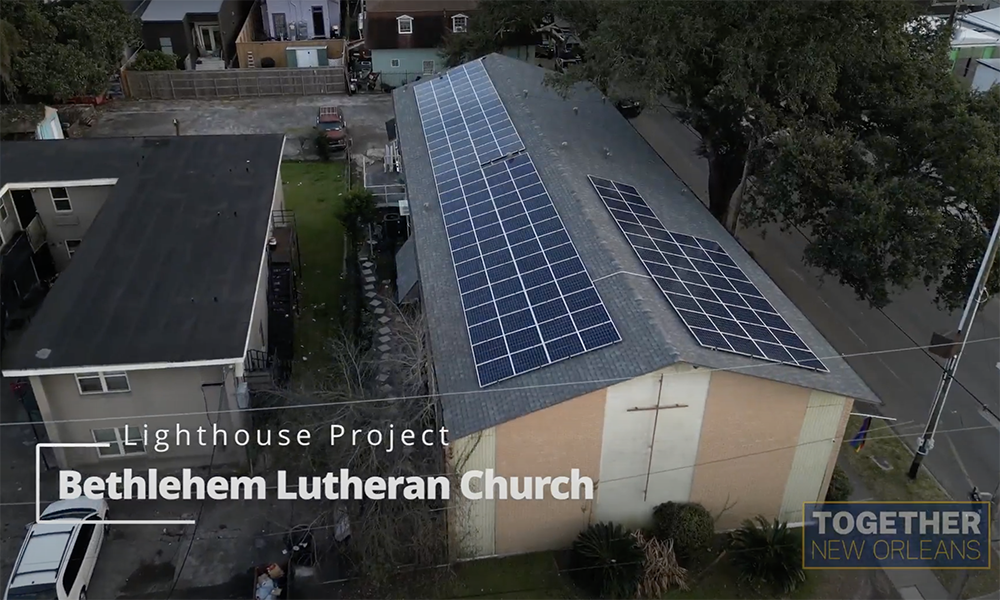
[896, 485]
[538, 576]
[526, 576]
[313, 191]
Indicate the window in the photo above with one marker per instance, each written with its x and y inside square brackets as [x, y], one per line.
[428, 67]
[116, 437]
[394, 63]
[71, 246]
[102, 383]
[404, 24]
[60, 199]
[3, 212]
[460, 23]
[77, 556]
[166, 45]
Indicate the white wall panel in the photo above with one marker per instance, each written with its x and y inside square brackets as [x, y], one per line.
[817, 440]
[630, 438]
[473, 522]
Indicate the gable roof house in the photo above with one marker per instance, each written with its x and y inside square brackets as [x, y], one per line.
[405, 36]
[201, 33]
[586, 312]
[162, 249]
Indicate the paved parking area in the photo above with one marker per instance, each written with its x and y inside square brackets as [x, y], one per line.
[294, 116]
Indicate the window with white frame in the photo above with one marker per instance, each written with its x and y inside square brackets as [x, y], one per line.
[394, 63]
[71, 246]
[460, 23]
[3, 212]
[119, 445]
[60, 199]
[104, 382]
[404, 24]
[166, 45]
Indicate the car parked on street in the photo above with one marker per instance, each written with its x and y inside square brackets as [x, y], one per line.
[57, 557]
[333, 126]
[630, 108]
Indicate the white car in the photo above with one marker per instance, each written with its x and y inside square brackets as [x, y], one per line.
[57, 559]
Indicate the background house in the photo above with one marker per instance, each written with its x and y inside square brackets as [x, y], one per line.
[976, 36]
[405, 36]
[301, 19]
[162, 296]
[657, 416]
[201, 33]
[30, 122]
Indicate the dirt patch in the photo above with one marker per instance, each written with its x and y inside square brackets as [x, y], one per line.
[150, 580]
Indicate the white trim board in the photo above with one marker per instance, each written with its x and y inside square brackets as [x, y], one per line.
[74, 183]
[79, 369]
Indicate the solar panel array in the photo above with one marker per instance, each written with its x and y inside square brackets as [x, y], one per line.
[719, 304]
[527, 297]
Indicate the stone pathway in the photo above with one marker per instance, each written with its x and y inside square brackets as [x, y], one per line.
[384, 339]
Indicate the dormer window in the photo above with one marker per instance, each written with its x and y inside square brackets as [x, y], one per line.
[404, 24]
[460, 23]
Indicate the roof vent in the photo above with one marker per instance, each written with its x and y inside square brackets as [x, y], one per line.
[524, 93]
[576, 110]
[607, 153]
[427, 205]
[564, 144]
[43, 353]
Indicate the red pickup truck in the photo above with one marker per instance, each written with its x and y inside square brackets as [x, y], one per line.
[331, 122]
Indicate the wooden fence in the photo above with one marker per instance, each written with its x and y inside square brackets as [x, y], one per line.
[233, 83]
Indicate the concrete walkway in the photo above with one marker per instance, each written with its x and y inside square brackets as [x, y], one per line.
[912, 585]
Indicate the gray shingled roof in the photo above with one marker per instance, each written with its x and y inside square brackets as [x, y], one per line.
[566, 147]
[407, 274]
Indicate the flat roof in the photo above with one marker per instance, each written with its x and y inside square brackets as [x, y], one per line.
[567, 140]
[168, 270]
[176, 10]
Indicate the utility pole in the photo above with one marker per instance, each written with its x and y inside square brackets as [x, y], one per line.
[954, 353]
[958, 588]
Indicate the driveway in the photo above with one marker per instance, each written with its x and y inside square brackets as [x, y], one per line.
[294, 116]
[966, 450]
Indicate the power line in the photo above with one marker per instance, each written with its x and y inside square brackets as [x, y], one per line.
[606, 381]
[680, 468]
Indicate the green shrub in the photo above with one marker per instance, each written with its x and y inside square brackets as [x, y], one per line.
[607, 562]
[322, 143]
[154, 60]
[768, 556]
[840, 486]
[688, 524]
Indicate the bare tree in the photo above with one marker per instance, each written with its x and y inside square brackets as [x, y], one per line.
[387, 535]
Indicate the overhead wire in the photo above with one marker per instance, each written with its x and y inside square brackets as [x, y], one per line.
[486, 391]
[599, 481]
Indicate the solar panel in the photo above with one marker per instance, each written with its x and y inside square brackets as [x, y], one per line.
[527, 298]
[718, 303]
[477, 108]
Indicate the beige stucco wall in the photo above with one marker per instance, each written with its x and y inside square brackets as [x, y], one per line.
[548, 443]
[153, 392]
[748, 438]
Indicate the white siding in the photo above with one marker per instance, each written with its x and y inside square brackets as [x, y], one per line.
[629, 438]
[473, 522]
[985, 77]
[817, 439]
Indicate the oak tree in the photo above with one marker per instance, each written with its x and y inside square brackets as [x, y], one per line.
[58, 50]
[840, 118]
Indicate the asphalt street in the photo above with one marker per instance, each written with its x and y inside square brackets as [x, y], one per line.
[967, 449]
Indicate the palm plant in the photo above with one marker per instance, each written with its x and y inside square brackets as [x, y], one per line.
[768, 555]
[607, 561]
